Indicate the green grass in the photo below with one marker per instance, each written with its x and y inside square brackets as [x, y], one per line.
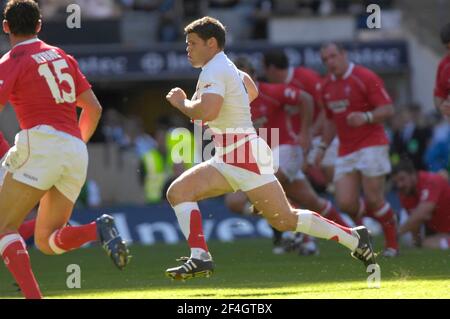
[244, 269]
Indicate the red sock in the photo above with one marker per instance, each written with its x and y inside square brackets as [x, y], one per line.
[331, 213]
[386, 217]
[26, 230]
[196, 238]
[17, 260]
[72, 237]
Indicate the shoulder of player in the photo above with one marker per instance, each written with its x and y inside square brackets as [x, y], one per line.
[364, 73]
[302, 71]
[6, 57]
[428, 180]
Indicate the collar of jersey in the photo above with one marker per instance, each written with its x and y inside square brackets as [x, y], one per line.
[220, 54]
[27, 42]
[347, 73]
[290, 75]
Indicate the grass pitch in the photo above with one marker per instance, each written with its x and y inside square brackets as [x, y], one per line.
[244, 269]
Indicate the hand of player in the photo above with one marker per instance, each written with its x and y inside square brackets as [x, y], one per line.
[356, 119]
[176, 97]
[445, 107]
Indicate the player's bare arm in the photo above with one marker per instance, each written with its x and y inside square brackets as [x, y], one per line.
[378, 115]
[90, 115]
[251, 87]
[422, 213]
[306, 104]
[329, 132]
[206, 108]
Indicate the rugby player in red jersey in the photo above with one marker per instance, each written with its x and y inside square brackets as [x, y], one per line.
[356, 105]
[442, 86]
[48, 163]
[426, 197]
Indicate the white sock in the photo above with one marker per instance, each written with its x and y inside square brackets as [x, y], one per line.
[313, 224]
[183, 212]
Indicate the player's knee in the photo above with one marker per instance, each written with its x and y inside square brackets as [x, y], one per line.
[42, 243]
[177, 194]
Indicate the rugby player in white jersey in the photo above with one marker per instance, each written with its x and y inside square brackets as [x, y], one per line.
[242, 160]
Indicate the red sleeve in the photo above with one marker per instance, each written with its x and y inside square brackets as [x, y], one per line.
[376, 92]
[441, 88]
[288, 94]
[81, 83]
[8, 76]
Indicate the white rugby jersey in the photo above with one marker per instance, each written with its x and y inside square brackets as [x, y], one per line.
[220, 76]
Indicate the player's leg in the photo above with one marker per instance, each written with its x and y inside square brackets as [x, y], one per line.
[271, 200]
[438, 241]
[199, 182]
[26, 230]
[379, 209]
[16, 201]
[374, 164]
[52, 236]
[348, 193]
[238, 202]
[301, 191]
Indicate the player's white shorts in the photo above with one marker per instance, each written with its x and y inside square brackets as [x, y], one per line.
[43, 157]
[330, 156]
[2, 171]
[370, 161]
[289, 159]
[246, 165]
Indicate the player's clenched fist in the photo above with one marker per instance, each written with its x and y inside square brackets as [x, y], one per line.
[176, 97]
[356, 119]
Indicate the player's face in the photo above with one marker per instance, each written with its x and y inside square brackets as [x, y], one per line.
[197, 50]
[274, 74]
[405, 182]
[334, 59]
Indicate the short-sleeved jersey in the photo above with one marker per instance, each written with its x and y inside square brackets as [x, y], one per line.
[442, 86]
[42, 83]
[4, 146]
[220, 76]
[358, 90]
[432, 188]
[268, 111]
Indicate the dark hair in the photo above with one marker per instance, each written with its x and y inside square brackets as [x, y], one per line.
[445, 34]
[207, 28]
[22, 16]
[244, 64]
[405, 165]
[277, 58]
[338, 45]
